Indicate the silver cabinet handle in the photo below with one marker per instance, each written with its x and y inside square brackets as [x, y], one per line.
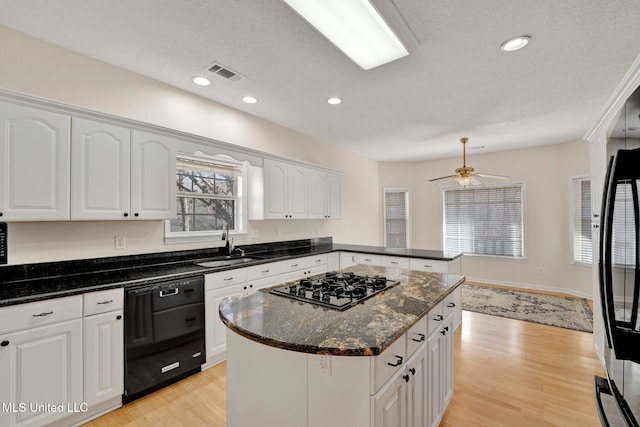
[428, 266]
[265, 271]
[318, 260]
[105, 302]
[228, 278]
[173, 291]
[294, 265]
[46, 313]
[394, 262]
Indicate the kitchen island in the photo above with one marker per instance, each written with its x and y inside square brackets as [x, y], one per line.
[378, 363]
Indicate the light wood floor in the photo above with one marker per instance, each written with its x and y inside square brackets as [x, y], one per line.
[507, 373]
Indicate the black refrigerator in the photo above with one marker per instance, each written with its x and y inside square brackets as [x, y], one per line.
[618, 395]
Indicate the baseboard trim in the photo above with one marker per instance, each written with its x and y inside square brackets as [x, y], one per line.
[530, 287]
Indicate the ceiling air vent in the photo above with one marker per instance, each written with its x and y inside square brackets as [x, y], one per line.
[225, 72]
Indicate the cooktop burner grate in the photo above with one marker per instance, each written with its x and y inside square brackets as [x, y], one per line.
[337, 290]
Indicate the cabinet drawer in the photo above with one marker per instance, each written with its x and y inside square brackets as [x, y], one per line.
[430, 265]
[40, 313]
[368, 259]
[416, 336]
[224, 279]
[103, 301]
[388, 363]
[449, 304]
[394, 261]
[304, 263]
[435, 317]
[265, 270]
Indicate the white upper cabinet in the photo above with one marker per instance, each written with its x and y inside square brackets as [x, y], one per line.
[118, 173]
[153, 176]
[285, 190]
[334, 195]
[34, 164]
[100, 178]
[325, 194]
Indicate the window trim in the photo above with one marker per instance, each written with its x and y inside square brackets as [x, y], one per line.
[241, 220]
[522, 184]
[573, 182]
[407, 192]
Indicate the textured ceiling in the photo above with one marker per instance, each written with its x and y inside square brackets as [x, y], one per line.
[456, 83]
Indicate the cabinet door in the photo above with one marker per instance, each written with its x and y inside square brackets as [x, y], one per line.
[298, 190]
[317, 194]
[103, 357]
[34, 164]
[334, 196]
[153, 176]
[275, 189]
[100, 177]
[447, 361]
[347, 259]
[389, 404]
[215, 330]
[417, 393]
[433, 379]
[41, 366]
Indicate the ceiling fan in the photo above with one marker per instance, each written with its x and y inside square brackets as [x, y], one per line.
[465, 175]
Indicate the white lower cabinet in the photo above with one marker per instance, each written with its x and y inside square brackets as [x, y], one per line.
[103, 348]
[347, 259]
[41, 371]
[215, 330]
[408, 385]
[402, 402]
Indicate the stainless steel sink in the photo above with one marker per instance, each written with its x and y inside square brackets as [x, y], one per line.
[226, 262]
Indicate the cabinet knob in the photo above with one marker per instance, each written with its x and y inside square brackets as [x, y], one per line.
[406, 378]
[118, 317]
[136, 214]
[443, 332]
[413, 371]
[126, 214]
[0, 213]
[4, 343]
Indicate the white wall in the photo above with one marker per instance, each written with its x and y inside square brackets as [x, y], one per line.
[546, 172]
[34, 67]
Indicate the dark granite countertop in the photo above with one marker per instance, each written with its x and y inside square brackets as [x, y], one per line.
[410, 253]
[33, 282]
[366, 329]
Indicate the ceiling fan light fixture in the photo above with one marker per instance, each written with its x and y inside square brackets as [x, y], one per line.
[463, 180]
[515, 43]
[357, 28]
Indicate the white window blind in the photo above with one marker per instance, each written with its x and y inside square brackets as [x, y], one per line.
[486, 220]
[624, 233]
[582, 242]
[396, 218]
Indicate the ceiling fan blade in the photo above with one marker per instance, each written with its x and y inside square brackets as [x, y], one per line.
[443, 177]
[485, 175]
[475, 181]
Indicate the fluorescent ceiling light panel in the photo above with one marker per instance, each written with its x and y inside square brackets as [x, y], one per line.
[355, 27]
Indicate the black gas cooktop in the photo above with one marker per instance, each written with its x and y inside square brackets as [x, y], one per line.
[337, 290]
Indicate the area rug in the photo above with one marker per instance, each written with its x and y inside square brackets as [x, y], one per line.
[563, 312]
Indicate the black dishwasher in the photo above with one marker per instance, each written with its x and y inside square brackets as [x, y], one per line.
[164, 334]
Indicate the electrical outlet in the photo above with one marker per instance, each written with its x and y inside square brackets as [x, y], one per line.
[325, 365]
[254, 234]
[278, 232]
[119, 242]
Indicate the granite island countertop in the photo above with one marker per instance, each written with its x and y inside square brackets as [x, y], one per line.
[365, 329]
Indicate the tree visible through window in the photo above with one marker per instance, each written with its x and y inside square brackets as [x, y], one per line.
[207, 196]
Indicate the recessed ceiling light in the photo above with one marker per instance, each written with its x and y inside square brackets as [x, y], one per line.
[201, 81]
[249, 99]
[334, 100]
[515, 43]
